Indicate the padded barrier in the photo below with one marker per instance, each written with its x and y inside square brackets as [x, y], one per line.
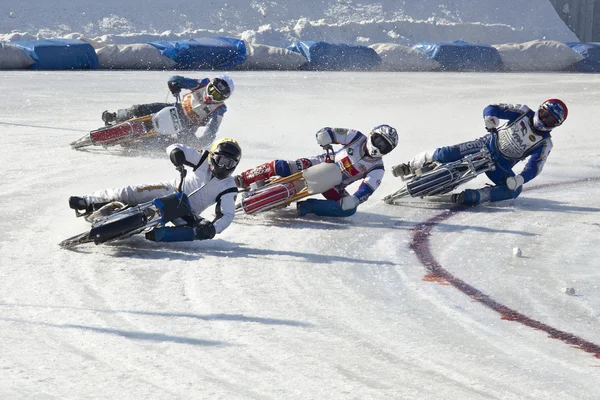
[262, 57]
[396, 57]
[53, 54]
[591, 54]
[462, 56]
[226, 53]
[325, 56]
[215, 53]
[13, 57]
[538, 55]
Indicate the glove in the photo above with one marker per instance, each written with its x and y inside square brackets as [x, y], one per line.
[515, 182]
[205, 230]
[177, 157]
[323, 137]
[176, 83]
[349, 202]
[490, 122]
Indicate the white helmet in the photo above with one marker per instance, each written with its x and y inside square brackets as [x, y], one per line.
[220, 88]
[382, 140]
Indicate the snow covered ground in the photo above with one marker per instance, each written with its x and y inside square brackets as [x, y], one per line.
[281, 22]
[419, 300]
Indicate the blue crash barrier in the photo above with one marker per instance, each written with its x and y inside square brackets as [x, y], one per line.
[325, 56]
[463, 56]
[216, 53]
[591, 54]
[53, 54]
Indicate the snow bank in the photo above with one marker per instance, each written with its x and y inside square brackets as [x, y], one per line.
[281, 22]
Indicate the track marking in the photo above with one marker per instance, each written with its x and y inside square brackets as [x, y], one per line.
[437, 273]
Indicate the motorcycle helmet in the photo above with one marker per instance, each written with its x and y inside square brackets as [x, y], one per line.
[220, 88]
[552, 113]
[225, 154]
[382, 140]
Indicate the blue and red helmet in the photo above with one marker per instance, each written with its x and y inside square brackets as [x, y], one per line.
[552, 113]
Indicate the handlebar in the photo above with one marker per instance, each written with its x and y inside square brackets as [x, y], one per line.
[328, 152]
[182, 174]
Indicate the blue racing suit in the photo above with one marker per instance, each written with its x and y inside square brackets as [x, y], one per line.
[511, 143]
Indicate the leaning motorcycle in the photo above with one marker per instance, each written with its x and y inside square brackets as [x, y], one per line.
[280, 192]
[437, 179]
[118, 221]
[135, 131]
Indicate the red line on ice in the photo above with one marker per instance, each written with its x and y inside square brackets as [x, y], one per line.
[420, 245]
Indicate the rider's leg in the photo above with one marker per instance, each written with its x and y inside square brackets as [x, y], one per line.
[326, 208]
[498, 192]
[442, 155]
[139, 110]
[274, 168]
[323, 208]
[131, 195]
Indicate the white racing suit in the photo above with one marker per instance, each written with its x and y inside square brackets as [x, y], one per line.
[202, 188]
[195, 110]
[354, 162]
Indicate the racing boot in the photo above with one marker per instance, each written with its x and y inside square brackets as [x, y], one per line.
[109, 118]
[459, 198]
[472, 196]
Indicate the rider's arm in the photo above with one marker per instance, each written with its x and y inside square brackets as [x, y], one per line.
[505, 111]
[337, 136]
[536, 161]
[225, 209]
[212, 127]
[370, 184]
[187, 83]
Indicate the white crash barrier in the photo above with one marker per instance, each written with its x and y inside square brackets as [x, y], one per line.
[537, 55]
[13, 57]
[262, 57]
[396, 57]
[133, 56]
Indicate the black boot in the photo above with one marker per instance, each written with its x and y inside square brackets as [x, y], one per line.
[109, 118]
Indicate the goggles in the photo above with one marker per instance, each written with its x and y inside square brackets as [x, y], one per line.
[381, 143]
[224, 161]
[547, 118]
[218, 90]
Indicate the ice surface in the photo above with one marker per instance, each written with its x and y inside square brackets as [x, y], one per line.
[277, 307]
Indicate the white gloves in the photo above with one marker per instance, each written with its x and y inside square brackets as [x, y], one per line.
[323, 138]
[490, 122]
[349, 202]
[515, 182]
